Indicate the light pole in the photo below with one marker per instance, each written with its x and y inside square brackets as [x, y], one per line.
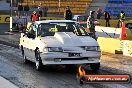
[11, 9]
[11, 16]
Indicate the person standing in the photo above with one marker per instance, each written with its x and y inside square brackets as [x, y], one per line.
[45, 11]
[40, 10]
[17, 1]
[26, 9]
[68, 13]
[107, 18]
[91, 20]
[20, 9]
[35, 16]
[122, 17]
[99, 13]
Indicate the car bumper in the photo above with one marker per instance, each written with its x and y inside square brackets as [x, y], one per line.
[62, 62]
[64, 58]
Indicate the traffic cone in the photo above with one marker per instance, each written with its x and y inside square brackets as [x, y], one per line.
[123, 32]
[122, 37]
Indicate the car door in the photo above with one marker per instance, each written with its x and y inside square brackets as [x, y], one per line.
[29, 41]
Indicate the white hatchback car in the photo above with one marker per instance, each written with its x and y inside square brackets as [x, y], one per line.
[59, 42]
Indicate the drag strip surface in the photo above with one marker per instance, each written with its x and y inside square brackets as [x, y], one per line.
[25, 76]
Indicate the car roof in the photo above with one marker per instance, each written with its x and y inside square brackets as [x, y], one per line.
[75, 16]
[80, 15]
[49, 21]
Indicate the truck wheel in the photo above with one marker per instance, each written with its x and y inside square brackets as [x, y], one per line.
[95, 66]
[23, 55]
[38, 60]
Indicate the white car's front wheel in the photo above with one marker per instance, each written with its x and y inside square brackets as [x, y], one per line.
[38, 60]
[38, 67]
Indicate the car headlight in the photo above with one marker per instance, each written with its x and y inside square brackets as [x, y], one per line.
[53, 49]
[92, 48]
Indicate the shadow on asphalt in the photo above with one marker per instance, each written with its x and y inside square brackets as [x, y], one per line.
[63, 69]
[9, 44]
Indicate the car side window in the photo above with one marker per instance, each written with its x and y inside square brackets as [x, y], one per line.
[31, 33]
[46, 29]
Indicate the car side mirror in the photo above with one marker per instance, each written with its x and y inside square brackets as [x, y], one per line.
[22, 34]
[90, 34]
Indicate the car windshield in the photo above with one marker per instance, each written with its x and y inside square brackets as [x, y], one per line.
[49, 29]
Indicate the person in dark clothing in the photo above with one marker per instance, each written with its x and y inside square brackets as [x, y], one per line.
[40, 10]
[26, 9]
[20, 9]
[45, 11]
[121, 18]
[99, 13]
[91, 20]
[68, 14]
[35, 17]
[107, 18]
[122, 15]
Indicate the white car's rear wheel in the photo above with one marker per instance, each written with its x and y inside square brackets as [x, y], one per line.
[23, 55]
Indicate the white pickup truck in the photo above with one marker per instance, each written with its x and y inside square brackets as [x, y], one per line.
[59, 42]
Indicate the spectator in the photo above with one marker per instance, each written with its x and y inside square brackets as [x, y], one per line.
[15, 13]
[122, 15]
[17, 1]
[99, 13]
[68, 14]
[26, 9]
[45, 11]
[35, 16]
[107, 18]
[121, 18]
[20, 9]
[40, 10]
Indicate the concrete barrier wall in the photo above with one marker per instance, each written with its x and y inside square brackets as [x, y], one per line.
[112, 32]
[127, 48]
[109, 44]
[113, 23]
[107, 32]
[129, 34]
